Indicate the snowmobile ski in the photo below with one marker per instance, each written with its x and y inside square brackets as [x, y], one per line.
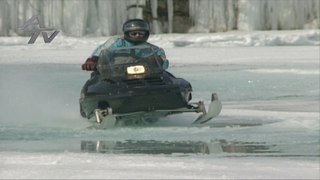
[214, 110]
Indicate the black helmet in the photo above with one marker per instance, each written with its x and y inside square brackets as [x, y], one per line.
[136, 25]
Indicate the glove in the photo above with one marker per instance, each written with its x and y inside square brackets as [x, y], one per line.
[89, 65]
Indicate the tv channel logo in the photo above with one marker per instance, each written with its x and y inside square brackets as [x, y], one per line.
[35, 25]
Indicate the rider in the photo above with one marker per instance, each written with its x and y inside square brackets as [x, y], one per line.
[136, 33]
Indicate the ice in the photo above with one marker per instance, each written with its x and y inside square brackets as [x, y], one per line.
[155, 22]
[286, 71]
[226, 15]
[268, 128]
[105, 17]
[95, 166]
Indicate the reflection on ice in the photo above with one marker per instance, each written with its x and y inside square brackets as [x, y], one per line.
[185, 147]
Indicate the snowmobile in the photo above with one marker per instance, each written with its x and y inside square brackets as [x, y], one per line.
[131, 87]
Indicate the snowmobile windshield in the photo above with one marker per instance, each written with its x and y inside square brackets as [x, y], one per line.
[129, 62]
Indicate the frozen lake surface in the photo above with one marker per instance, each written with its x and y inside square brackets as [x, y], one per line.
[268, 127]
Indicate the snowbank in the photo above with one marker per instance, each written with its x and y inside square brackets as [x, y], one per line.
[232, 38]
[65, 49]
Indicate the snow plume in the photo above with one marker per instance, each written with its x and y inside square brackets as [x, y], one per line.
[105, 17]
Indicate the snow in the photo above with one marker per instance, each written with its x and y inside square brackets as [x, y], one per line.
[268, 83]
[85, 45]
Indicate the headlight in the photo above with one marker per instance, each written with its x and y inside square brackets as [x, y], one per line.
[139, 69]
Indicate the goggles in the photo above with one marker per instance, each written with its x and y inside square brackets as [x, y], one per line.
[135, 33]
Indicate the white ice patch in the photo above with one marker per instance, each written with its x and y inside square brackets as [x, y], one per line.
[285, 71]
